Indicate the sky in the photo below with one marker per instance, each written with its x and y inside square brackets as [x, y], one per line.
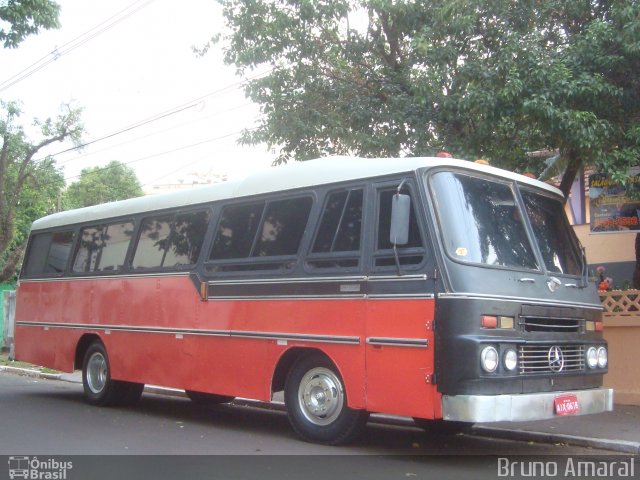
[136, 65]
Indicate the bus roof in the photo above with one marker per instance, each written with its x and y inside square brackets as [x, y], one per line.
[287, 177]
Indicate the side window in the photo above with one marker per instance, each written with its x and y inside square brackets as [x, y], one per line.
[152, 243]
[171, 241]
[236, 231]
[410, 254]
[282, 227]
[337, 241]
[59, 252]
[48, 253]
[103, 248]
[189, 230]
[259, 231]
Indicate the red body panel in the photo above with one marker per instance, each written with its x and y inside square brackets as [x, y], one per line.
[390, 379]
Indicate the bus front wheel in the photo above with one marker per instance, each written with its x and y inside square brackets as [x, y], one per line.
[99, 388]
[316, 403]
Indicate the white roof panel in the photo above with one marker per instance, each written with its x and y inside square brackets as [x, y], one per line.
[287, 177]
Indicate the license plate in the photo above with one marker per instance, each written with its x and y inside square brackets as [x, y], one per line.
[566, 404]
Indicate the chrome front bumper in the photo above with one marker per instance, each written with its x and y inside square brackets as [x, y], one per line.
[522, 407]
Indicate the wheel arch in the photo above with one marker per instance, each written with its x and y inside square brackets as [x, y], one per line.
[81, 348]
[289, 358]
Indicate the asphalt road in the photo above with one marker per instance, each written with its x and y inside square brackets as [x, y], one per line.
[49, 419]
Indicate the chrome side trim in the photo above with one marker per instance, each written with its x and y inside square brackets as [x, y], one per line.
[395, 278]
[105, 277]
[269, 281]
[521, 407]
[285, 336]
[127, 328]
[399, 342]
[536, 301]
[259, 281]
[324, 297]
[297, 337]
[401, 296]
[285, 297]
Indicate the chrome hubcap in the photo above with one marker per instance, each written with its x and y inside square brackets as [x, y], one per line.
[320, 396]
[97, 372]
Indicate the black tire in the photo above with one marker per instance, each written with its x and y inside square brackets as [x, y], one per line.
[317, 403]
[442, 427]
[99, 388]
[129, 393]
[201, 398]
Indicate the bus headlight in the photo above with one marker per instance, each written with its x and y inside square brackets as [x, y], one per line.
[592, 357]
[602, 357]
[489, 359]
[510, 359]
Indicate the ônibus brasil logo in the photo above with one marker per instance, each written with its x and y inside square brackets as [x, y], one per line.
[33, 468]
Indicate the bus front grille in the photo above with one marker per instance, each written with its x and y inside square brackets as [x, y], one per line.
[550, 324]
[545, 359]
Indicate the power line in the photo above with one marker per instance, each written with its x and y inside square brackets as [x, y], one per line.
[164, 114]
[153, 118]
[157, 132]
[73, 44]
[123, 130]
[166, 152]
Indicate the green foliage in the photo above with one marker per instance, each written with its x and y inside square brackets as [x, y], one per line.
[96, 185]
[21, 18]
[39, 197]
[489, 79]
[29, 187]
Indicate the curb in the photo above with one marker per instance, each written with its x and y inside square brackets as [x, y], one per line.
[621, 446]
[26, 372]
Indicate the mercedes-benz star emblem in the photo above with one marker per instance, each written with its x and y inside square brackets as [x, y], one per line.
[556, 359]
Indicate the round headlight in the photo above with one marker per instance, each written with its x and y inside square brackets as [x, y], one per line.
[592, 357]
[489, 359]
[602, 357]
[510, 359]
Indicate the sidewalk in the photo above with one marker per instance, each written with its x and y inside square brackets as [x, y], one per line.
[617, 431]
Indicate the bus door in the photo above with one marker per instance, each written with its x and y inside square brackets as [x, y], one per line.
[400, 313]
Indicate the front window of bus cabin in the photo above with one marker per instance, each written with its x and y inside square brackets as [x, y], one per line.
[553, 233]
[481, 222]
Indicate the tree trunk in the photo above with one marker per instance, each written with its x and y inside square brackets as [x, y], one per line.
[9, 268]
[569, 175]
[636, 273]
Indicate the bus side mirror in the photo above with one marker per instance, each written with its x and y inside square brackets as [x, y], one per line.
[400, 208]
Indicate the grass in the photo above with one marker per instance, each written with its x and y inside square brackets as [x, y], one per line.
[5, 362]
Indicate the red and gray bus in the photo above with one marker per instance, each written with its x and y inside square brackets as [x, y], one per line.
[432, 288]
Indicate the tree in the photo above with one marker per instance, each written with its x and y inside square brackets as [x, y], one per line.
[29, 186]
[490, 79]
[21, 18]
[115, 181]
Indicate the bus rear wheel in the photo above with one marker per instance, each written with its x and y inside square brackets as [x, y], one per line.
[99, 388]
[316, 403]
[201, 398]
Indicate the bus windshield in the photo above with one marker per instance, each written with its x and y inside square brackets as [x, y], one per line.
[482, 223]
[553, 233]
